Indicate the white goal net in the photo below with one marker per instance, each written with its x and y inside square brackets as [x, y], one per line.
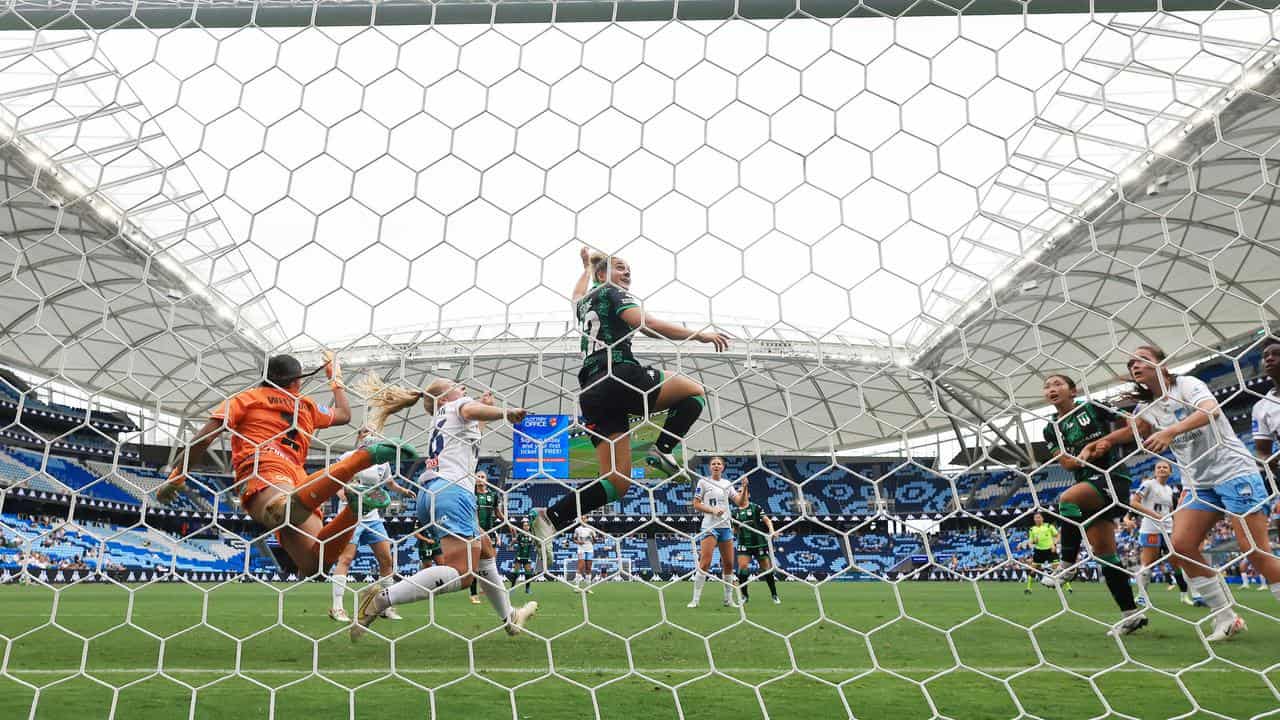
[923, 232]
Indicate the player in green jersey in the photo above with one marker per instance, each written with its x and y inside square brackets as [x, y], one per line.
[522, 568]
[753, 529]
[428, 548]
[1042, 538]
[1096, 501]
[489, 515]
[616, 386]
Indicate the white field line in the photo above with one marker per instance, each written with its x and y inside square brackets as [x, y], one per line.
[15, 671]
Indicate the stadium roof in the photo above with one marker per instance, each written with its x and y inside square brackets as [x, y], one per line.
[1084, 243]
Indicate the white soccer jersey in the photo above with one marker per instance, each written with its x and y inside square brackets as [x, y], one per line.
[454, 447]
[1266, 419]
[1208, 455]
[371, 476]
[1158, 498]
[717, 494]
[585, 538]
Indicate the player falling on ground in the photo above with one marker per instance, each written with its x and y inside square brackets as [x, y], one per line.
[522, 569]
[370, 532]
[584, 537]
[489, 512]
[272, 426]
[1095, 500]
[1179, 413]
[615, 386]
[713, 499]
[447, 506]
[1042, 539]
[1153, 500]
[753, 529]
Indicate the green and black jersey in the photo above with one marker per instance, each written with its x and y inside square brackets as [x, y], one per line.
[524, 548]
[1088, 422]
[428, 549]
[487, 509]
[749, 527]
[604, 332]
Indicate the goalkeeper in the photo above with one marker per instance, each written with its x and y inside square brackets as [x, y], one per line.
[753, 529]
[272, 426]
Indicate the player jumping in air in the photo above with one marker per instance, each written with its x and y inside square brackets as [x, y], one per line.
[522, 567]
[713, 499]
[488, 513]
[585, 538]
[1154, 501]
[371, 532]
[615, 386]
[753, 529]
[447, 505]
[1042, 538]
[1096, 499]
[1179, 413]
[271, 427]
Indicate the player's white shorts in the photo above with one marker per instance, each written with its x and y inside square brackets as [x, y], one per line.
[586, 553]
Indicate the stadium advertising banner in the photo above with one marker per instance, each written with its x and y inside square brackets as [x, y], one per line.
[541, 446]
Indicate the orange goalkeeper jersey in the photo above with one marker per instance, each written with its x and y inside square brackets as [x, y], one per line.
[267, 419]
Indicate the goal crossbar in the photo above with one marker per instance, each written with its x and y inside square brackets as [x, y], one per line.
[103, 14]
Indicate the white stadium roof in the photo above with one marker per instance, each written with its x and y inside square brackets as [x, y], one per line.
[1127, 199]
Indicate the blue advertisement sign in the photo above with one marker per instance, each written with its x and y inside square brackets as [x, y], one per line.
[541, 447]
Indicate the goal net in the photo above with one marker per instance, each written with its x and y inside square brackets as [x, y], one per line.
[939, 245]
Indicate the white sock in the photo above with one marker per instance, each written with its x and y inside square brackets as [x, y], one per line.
[1144, 578]
[1210, 590]
[339, 589]
[491, 583]
[699, 578]
[520, 579]
[727, 579]
[1275, 590]
[438, 578]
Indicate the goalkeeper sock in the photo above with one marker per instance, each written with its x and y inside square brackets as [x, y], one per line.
[596, 495]
[1031, 578]
[1071, 539]
[323, 485]
[490, 580]
[1117, 582]
[339, 589]
[768, 579]
[334, 537]
[699, 579]
[438, 578]
[680, 418]
[744, 579]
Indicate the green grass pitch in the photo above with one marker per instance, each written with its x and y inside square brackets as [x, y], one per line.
[628, 651]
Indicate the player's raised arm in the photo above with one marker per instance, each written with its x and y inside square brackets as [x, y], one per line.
[341, 403]
[584, 281]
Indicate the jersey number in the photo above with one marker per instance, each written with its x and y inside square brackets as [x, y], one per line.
[437, 439]
[591, 327]
[290, 439]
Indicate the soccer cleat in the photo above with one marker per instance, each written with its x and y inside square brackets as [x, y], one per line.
[1060, 579]
[369, 607]
[520, 616]
[1141, 600]
[339, 615]
[367, 498]
[1227, 629]
[692, 605]
[1186, 599]
[663, 462]
[391, 614]
[391, 450]
[1026, 591]
[475, 599]
[1133, 622]
[777, 600]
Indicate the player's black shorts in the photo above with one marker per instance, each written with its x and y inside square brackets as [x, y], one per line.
[1112, 486]
[608, 400]
[523, 560]
[758, 552]
[1041, 557]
